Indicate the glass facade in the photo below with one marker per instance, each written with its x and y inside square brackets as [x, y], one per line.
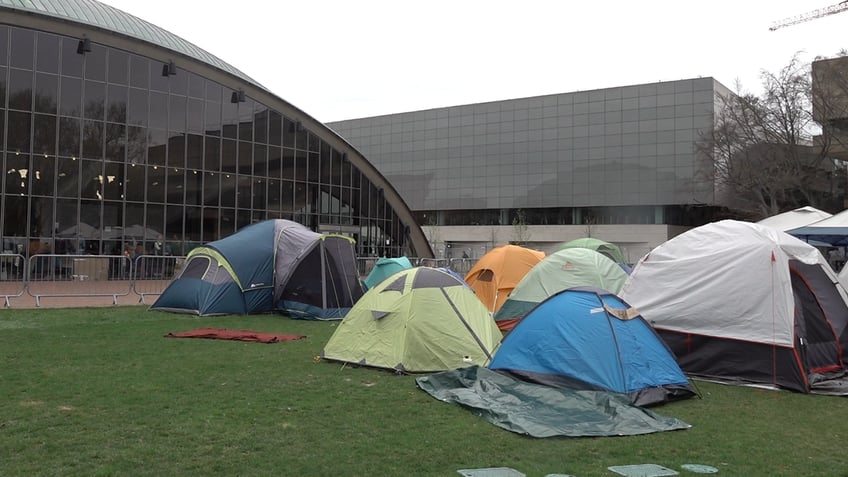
[618, 155]
[105, 149]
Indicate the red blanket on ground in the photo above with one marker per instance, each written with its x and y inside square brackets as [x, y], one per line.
[240, 335]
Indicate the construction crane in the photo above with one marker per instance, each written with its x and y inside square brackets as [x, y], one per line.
[805, 17]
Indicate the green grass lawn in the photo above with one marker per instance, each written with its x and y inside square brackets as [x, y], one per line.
[100, 391]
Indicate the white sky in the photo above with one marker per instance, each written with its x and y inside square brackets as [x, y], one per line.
[344, 59]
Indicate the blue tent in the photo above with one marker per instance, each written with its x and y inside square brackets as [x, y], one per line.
[274, 265]
[588, 338]
[386, 267]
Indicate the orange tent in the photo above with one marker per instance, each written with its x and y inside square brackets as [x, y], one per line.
[499, 271]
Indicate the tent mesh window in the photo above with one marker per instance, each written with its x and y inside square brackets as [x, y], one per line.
[305, 284]
[195, 268]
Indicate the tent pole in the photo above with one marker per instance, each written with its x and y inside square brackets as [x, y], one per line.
[323, 275]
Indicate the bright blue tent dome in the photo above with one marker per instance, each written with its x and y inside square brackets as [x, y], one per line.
[587, 338]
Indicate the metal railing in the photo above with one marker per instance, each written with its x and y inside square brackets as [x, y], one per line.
[153, 273]
[44, 275]
[461, 266]
[12, 276]
[62, 276]
[85, 276]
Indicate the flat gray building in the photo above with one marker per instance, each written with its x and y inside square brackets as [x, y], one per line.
[619, 164]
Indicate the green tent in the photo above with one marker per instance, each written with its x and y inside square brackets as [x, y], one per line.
[567, 268]
[611, 250]
[417, 320]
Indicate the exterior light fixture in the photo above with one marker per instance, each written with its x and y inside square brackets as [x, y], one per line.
[169, 69]
[237, 97]
[84, 46]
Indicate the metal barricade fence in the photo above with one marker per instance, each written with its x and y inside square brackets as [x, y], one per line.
[48, 275]
[153, 273]
[462, 265]
[434, 262]
[364, 265]
[12, 276]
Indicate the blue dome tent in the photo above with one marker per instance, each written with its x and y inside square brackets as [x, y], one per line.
[588, 338]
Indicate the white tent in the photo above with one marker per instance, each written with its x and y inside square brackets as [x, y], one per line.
[741, 301]
[795, 218]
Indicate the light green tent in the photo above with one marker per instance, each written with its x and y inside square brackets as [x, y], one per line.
[567, 268]
[611, 250]
[417, 320]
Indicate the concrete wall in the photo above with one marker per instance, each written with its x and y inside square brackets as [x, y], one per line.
[475, 240]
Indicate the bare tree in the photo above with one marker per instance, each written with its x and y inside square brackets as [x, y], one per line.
[763, 150]
[520, 232]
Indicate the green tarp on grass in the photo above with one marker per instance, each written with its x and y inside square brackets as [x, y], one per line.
[542, 411]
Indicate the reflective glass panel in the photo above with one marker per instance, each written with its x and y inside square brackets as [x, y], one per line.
[94, 101]
[18, 131]
[155, 184]
[20, 90]
[47, 53]
[119, 63]
[134, 188]
[91, 180]
[46, 93]
[92, 139]
[23, 48]
[138, 72]
[116, 109]
[67, 177]
[95, 63]
[71, 60]
[69, 137]
[44, 135]
[116, 140]
[15, 216]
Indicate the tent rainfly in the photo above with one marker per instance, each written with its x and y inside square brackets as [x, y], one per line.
[744, 303]
[611, 250]
[497, 272]
[384, 267]
[794, 219]
[567, 268]
[274, 265]
[589, 339]
[417, 320]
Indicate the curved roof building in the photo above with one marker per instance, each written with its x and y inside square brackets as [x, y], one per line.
[117, 133]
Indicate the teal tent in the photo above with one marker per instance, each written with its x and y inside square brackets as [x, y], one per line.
[274, 265]
[386, 267]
